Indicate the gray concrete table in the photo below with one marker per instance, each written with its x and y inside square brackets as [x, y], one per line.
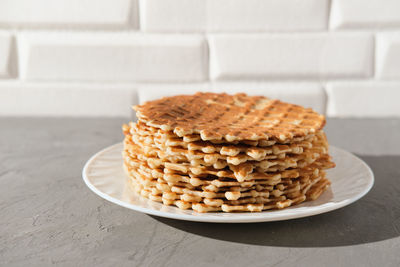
[48, 216]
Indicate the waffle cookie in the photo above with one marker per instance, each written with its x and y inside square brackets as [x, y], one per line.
[218, 152]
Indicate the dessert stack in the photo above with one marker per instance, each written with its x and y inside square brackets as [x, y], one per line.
[218, 152]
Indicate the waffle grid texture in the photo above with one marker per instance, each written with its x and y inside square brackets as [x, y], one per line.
[220, 152]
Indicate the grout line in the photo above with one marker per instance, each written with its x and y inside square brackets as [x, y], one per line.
[328, 16]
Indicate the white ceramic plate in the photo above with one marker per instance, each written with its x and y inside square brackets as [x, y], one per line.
[351, 180]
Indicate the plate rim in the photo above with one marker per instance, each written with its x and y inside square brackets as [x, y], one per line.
[222, 219]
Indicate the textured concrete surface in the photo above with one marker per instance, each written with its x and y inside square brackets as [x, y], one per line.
[49, 217]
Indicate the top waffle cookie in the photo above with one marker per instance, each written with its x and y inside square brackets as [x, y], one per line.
[231, 117]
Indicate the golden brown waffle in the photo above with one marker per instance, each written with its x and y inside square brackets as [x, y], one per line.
[277, 196]
[218, 152]
[216, 182]
[234, 154]
[199, 162]
[230, 117]
[163, 136]
[260, 158]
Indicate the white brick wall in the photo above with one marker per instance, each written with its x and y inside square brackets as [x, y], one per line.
[360, 99]
[69, 13]
[388, 55]
[147, 92]
[312, 56]
[234, 15]
[60, 99]
[173, 15]
[266, 15]
[368, 14]
[112, 57]
[98, 57]
[5, 54]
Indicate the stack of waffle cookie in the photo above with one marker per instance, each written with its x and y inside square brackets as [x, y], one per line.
[219, 152]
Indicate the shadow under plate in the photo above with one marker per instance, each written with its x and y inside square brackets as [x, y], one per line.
[373, 218]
